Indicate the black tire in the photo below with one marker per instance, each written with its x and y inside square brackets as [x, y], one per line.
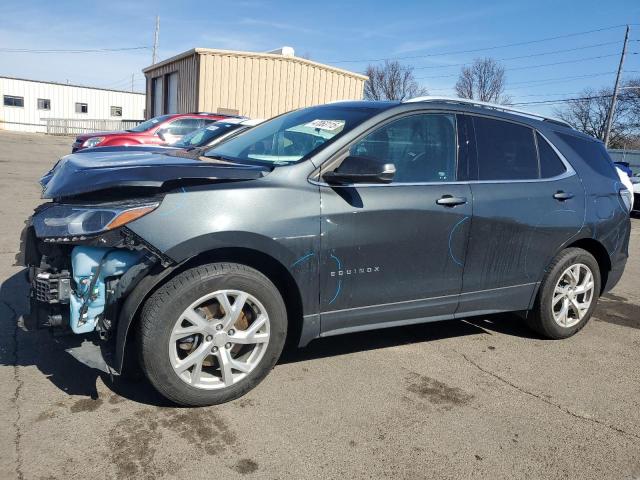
[162, 309]
[541, 317]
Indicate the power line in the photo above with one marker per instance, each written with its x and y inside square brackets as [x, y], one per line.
[125, 80]
[474, 50]
[548, 81]
[526, 67]
[552, 52]
[85, 50]
[561, 100]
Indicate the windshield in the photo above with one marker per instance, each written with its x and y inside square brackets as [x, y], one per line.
[293, 136]
[144, 126]
[204, 136]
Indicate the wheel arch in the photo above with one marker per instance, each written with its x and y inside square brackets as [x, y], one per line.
[261, 261]
[599, 252]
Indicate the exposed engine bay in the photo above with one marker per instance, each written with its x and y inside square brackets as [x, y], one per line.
[79, 287]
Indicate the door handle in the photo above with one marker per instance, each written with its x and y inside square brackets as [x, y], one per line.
[562, 196]
[451, 201]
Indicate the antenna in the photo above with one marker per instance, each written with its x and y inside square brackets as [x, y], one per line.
[156, 34]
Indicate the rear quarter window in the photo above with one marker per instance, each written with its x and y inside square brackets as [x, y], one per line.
[593, 153]
[550, 163]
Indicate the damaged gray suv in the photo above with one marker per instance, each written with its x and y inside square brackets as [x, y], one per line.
[326, 220]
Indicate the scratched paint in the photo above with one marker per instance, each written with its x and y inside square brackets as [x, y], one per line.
[453, 230]
[339, 285]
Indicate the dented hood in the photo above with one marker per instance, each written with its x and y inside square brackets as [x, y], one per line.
[90, 172]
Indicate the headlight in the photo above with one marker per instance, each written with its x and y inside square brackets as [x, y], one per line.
[71, 222]
[92, 142]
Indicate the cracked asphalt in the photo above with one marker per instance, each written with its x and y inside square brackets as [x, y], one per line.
[482, 398]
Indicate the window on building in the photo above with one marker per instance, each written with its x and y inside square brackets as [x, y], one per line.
[116, 111]
[12, 101]
[506, 151]
[422, 147]
[44, 104]
[82, 108]
[550, 163]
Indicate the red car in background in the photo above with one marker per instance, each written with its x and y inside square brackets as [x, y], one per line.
[162, 130]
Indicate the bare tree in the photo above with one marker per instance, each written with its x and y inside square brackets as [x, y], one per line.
[588, 113]
[484, 80]
[391, 81]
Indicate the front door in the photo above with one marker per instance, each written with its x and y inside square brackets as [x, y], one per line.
[394, 254]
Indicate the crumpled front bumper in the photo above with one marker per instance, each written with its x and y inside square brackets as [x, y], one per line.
[79, 287]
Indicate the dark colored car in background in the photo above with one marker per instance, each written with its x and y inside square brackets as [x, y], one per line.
[156, 131]
[332, 219]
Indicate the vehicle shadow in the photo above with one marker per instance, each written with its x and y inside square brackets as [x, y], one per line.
[507, 324]
[56, 357]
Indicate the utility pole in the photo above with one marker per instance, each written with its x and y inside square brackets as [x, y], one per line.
[132, 75]
[155, 40]
[614, 98]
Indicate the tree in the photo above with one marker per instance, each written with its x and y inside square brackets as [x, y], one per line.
[588, 113]
[391, 81]
[484, 80]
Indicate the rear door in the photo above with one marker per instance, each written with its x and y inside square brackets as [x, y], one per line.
[394, 254]
[528, 202]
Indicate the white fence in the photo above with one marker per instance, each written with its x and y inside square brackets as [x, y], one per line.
[67, 126]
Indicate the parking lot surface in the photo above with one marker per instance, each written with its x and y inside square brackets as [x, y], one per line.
[482, 398]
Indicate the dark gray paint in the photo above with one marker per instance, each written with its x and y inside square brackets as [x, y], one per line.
[429, 262]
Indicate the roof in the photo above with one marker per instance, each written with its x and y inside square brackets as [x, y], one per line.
[72, 85]
[492, 106]
[237, 53]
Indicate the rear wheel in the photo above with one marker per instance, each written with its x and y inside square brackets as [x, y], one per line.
[212, 333]
[567, 296]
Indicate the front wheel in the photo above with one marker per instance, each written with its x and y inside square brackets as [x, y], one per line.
[567, 296]
[212, 333]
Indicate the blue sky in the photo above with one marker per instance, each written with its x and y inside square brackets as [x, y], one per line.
[330, 32]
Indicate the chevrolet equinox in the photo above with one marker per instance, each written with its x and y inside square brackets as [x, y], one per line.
[331, 219]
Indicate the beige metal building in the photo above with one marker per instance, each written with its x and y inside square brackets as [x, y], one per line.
[258, 85]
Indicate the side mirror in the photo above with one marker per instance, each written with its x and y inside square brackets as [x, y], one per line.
[161, 133]
[361, 170]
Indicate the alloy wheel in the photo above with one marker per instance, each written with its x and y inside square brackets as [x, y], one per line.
[572, 295]
[219, 339]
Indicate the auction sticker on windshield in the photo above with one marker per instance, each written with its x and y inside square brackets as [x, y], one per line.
[326, 124]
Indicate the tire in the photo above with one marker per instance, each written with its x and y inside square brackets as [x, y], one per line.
[542, 318]
[159, 353]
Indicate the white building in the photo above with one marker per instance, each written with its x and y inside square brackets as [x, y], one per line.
[26, 104]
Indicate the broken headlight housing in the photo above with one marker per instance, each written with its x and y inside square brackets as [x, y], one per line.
[67, 222]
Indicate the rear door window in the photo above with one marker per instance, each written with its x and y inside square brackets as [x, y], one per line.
[506, 151]
[550, 163]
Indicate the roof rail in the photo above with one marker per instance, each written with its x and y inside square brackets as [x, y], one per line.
[493, 106]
